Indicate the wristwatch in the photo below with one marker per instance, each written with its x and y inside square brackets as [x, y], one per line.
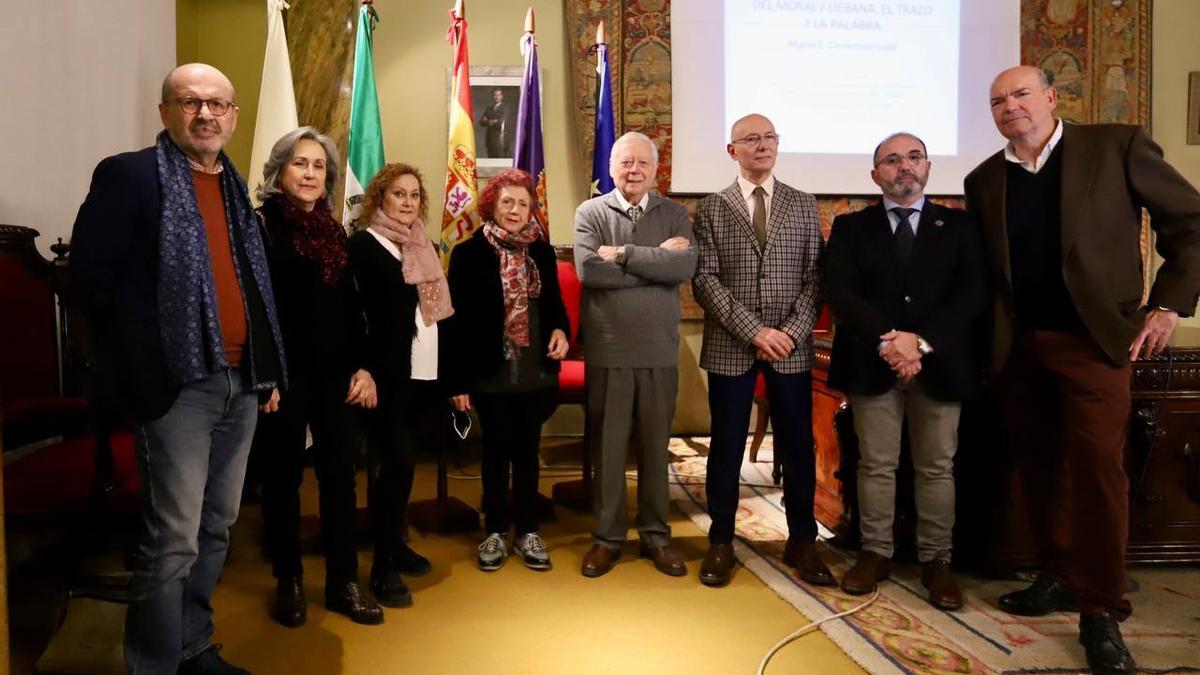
[621, 255]
[924, 347]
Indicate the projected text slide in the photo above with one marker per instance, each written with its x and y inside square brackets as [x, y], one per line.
[836, 76]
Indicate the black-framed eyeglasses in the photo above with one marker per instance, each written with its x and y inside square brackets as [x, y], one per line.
[893, 161]
[216, 106]
[754, 139]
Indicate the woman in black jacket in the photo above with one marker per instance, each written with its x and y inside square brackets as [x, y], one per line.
[508, 335]
[405, 295]
[320, 315]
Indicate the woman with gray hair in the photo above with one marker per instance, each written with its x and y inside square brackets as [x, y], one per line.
[325, 337]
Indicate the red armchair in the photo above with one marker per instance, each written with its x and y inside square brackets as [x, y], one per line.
[572, 384]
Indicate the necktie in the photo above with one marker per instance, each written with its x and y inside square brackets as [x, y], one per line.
[903, 237]
[635, 212]
[760, 216]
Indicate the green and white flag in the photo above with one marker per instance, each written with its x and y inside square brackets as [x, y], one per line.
[365, 156]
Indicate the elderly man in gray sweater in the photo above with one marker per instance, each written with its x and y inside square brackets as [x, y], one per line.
[632, 250]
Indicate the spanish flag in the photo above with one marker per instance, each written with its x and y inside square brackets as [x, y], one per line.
[459, 214]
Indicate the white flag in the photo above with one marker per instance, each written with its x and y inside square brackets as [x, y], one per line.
[276, 98]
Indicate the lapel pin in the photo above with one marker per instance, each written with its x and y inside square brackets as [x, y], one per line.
[939, 223]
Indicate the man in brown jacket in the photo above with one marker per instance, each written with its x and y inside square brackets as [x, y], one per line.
[1060, 211]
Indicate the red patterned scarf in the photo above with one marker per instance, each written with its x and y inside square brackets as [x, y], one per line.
[519, 280]
[315, 235]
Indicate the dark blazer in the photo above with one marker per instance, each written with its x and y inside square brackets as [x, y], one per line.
[390, 304]
[114, 273]
[743, 288]
[939, 296]
[1110, 172]
[475, 334]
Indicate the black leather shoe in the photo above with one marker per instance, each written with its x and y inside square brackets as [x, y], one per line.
[1046, 594]
[291, 609]
[209, 662]
[389, 588]
[350, 600]
[409, 562]
[1100, 635]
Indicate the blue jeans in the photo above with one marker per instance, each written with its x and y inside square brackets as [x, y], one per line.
[192, 462]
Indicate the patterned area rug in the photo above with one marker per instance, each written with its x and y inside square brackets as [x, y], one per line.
[902, 633]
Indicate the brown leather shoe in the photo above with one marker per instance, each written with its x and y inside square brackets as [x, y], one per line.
[665, 560]
[599, 560]
[944, 592]
[804, 557]
[717, 568]
[870, 569]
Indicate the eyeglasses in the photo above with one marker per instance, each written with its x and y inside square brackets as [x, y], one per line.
[216, 106]
[754, 139]
[893, 161]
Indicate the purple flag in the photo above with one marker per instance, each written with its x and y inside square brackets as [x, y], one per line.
[528, 153]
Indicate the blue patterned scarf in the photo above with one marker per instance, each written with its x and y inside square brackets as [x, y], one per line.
[187, 296]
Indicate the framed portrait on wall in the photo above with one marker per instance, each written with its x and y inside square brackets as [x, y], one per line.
[495, 96]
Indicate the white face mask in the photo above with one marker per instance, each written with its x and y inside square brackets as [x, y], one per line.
[461, 431]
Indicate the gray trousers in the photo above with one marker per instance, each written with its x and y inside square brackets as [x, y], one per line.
[620, 403]
[933, 438]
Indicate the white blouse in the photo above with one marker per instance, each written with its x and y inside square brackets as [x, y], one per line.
[425, 343]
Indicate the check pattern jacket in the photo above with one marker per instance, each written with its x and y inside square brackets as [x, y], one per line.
[743, 288]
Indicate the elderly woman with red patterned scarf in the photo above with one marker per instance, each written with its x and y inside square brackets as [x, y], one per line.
[324, 336]
[509, 333]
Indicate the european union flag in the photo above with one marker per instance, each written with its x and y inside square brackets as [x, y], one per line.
[606, 135]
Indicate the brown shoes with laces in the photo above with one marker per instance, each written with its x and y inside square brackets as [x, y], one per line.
[717, 568]
[665, 560]
[870, 569]
[599, 560]
[804, 557]
[944, 592]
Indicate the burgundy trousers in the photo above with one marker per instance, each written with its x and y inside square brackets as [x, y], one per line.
[1066, 409]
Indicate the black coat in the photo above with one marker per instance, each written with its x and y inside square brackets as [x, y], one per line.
[324, 328]
[475, 334]
[939, 296]
[390, 305]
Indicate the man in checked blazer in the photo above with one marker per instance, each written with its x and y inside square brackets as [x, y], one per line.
[1060, 213]
[905, 281]
[758, 282]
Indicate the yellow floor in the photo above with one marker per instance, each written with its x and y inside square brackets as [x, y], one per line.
[516, 620]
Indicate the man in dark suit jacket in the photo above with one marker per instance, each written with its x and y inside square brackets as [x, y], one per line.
[167, 261]
[1060, 211]
[905, 281]
[494, 120]
[759, 285]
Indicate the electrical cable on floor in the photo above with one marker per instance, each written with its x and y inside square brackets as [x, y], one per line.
[762, 666]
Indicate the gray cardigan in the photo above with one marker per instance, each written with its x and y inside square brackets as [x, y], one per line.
[630, 310]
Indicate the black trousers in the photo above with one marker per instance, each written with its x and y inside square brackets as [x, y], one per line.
[317, 403]
[411, 414]
[729, 400]
[512, 430]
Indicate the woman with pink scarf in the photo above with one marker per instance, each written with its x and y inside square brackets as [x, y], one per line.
[404, 296]
[508, 334]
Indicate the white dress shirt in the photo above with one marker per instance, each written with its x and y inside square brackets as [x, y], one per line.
[1036, 165]
[914, 218]
[425, 343]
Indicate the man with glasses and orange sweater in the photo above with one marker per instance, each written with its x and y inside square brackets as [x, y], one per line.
[170, 269]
